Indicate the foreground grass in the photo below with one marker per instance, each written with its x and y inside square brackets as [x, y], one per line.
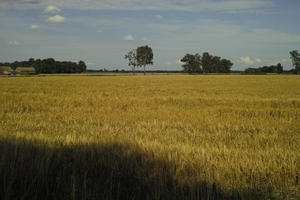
[153, 137]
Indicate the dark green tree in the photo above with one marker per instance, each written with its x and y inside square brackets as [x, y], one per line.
[205, 64]
[81, 66]
[192, 63]
[224, 66]
[31, 61]
[214, 64]
[279, 68]
[208, 62]
[144, 55]
[50, 65]
[295, 56]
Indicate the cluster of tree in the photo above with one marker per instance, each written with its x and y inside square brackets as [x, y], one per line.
[50, 65]
[295, 56]
[266, 69]
[140, 57]
[205, 63]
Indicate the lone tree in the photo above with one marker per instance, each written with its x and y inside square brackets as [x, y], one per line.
[144, 55]
[295, 56]
[132, 59]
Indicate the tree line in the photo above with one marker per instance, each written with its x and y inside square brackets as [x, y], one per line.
[205, 63]
[49, 65]
[265, 69]
[197, 63]
[295, 57]
[143, 56]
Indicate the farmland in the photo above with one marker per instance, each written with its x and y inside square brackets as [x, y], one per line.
[150, 137]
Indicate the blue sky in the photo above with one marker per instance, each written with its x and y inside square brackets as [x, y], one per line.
[250, 33]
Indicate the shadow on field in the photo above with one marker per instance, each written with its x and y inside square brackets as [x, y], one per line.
[30, 170]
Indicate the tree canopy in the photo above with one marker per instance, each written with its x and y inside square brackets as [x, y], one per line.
[132, 59]
[205, 64]
[192, 63]
[140, 57]
[144, 55]
[279, 68]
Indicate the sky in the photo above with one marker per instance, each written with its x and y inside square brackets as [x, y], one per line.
[251, 33]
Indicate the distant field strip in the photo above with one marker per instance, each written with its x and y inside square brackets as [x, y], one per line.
[150, 137]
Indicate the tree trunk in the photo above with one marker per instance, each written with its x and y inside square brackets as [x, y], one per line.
[144, 71]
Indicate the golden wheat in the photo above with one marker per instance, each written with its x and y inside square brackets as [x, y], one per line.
[238, 135]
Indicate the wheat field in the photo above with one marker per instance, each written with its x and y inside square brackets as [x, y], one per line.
[150, 137]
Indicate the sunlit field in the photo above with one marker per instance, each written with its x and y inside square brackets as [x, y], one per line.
[150, 137]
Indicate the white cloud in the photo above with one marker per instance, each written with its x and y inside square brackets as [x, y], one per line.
[249, 61]
[56, 19]
[35, 26]
[178, 62]
[14, 43]
[144, 39]
[258, 60]
[128, 38]
[52, 9]
[159, 17]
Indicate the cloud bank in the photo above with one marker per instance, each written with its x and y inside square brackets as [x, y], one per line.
[189, 5]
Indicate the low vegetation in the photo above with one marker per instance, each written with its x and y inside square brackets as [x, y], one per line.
[150, 137]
